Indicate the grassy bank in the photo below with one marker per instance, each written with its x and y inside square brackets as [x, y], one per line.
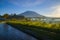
[2, 22]
[39, 30]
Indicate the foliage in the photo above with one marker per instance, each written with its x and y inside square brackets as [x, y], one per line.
[38, 29]
[6, 15]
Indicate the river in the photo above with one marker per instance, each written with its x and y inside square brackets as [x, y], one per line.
[9, 33]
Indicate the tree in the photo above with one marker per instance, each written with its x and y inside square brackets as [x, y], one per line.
[6, 15]
[22, 17]
[0, 16]
[14, 14]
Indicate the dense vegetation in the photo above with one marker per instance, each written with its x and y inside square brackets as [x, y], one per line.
[40, 30]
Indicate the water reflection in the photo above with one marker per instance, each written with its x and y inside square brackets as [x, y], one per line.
[9, 33]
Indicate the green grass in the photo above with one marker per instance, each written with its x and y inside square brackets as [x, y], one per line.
[39, 30]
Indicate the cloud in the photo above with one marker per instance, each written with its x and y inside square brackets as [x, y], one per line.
[55, 11]
[52, 11]
[26, 3]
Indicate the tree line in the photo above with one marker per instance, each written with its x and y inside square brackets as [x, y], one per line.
[7, 16]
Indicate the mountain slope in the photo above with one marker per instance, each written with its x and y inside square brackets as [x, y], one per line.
[31, 14]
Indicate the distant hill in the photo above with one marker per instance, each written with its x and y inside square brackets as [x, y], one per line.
[31, 14]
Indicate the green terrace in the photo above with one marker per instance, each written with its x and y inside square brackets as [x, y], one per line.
[38, 29]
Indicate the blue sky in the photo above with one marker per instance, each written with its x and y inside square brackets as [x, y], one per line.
[49, 8]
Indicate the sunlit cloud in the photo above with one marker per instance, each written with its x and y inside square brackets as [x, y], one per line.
[55, 11]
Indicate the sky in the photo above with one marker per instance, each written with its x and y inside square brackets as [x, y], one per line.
[50, 8]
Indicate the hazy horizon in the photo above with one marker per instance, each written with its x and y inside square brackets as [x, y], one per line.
[50, 8]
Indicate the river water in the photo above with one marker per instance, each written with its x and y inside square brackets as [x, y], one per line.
[9, 33]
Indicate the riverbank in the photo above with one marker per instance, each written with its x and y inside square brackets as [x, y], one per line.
[41, 33]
